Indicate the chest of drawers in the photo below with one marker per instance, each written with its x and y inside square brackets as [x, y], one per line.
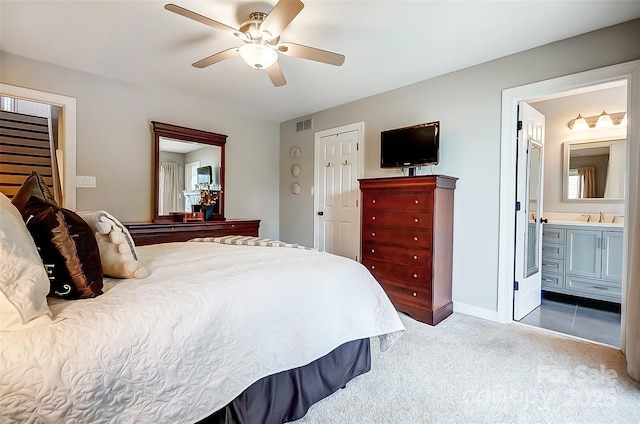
[407, 241]
[148, 233]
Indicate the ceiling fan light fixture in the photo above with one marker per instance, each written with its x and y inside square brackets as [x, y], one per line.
[258, 56]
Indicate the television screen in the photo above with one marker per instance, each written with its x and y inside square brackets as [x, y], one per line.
[410, 146]
[204, 175]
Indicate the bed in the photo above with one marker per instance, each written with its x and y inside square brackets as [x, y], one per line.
[213, 333]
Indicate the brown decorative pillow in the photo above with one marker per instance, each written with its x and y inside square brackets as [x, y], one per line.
[67, 247]
[35, 186]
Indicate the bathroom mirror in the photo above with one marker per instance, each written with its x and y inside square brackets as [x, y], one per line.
[534, 184]
[593, 171]
[188, 172]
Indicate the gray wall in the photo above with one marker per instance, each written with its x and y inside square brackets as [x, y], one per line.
[114, 141]
[468, 105]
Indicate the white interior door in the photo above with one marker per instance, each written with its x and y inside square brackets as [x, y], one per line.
[337, 193]
[529, 184]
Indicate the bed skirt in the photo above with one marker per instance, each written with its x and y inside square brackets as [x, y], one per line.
[288, 395]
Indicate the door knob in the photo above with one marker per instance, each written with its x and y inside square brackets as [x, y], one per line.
[320, 213]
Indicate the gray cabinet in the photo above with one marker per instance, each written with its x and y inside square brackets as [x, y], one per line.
[582, 261]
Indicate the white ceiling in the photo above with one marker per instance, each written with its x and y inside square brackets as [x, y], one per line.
[387, 44]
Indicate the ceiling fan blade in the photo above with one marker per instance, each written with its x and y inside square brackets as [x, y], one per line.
[311, 53]
[275, 75]
[218, 57]
[281, 16]
[203, 19]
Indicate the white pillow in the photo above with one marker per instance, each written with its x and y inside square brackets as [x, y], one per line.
[24, 284]
[117, 250]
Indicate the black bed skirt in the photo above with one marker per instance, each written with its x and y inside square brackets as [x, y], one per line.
[288, 395]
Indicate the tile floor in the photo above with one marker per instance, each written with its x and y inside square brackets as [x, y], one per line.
[593, 320]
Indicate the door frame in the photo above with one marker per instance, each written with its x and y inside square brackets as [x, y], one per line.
[629, 71]
[67, 134]
[316, 170]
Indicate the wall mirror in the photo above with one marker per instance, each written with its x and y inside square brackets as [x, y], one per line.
[188, 172]
[594, 171]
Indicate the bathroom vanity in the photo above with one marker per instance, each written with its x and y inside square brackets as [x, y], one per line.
[583, 259]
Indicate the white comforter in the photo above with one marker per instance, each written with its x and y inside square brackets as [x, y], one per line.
[176, 346]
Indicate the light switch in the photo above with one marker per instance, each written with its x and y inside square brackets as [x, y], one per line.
[86, 181]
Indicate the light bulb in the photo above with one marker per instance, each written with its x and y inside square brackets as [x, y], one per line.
[579, 124]
[604, 120]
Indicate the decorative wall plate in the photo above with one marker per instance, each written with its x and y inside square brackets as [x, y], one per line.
[295, 170]
[295, 152]
[295, 188]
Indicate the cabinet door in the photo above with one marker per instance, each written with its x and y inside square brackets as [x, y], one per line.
[612, 255]
[583, 253]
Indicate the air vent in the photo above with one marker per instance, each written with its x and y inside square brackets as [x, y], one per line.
[303, 125]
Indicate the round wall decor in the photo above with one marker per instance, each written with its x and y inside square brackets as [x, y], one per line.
[295, 152]
[295, 170]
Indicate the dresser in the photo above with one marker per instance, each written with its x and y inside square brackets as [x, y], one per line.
[147, 233]
[407, 241]
[583, 260]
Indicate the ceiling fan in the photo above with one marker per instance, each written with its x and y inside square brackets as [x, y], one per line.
[261, 37]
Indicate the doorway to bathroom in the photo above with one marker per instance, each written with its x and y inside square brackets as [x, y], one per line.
[580, 252]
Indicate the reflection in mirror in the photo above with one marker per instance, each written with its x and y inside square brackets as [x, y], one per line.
[186, 168]
[189, 172]
[594, 170]
[534, 177]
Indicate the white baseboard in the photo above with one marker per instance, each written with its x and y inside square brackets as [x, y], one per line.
[475, 311]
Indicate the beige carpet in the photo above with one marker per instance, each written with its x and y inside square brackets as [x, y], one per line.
[468, 370]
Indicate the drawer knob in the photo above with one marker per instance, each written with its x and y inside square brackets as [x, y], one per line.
[415, 275]
[416, 220]
[373, 267]
[373, 201]
[417, 201]
[415, 239]
[415, 258]
[373, 250]
[415, 294]
[373, 217]
[373, 234]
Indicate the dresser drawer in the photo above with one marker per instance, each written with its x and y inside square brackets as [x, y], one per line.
[406, 202]
[553, 235]
[551, 265]
[552, 250]
[406, 294]
[397, 219]
[552, 281]
[408, 238]
[599, 288]
[402, 273]
[398, 255]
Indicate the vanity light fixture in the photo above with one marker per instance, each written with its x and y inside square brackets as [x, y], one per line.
[598, 121]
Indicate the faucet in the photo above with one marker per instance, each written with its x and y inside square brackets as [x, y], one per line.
[601, 217]
[588, 218]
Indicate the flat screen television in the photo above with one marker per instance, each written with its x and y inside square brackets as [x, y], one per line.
[410, 147]
[204, 175]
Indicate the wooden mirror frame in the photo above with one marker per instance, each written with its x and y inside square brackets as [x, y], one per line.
[190, 135]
